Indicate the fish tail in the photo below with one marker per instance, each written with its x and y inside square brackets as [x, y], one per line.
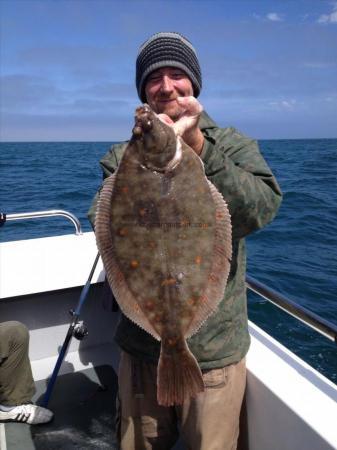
[179, 377]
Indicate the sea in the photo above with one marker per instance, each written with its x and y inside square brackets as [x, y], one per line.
[295, 255]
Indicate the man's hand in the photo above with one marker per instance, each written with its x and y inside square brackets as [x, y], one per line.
[187, 125]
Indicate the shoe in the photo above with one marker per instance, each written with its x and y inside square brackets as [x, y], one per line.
[27, 413]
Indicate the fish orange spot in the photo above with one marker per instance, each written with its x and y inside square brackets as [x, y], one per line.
[149, 304]
[198, 259]
[136, 307]
[168, 281]
[142, 212]
[125, 189]
[213, 278]
[158, 318]
[184, 222]
[134, 264]
[119, 275]
[172, 342]
[219, 215]
[194, 300]
[123, 232]
[203, 225]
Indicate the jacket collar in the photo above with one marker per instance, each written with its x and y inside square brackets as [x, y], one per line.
[206, 122]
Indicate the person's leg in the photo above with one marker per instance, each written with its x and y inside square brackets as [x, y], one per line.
[210, 421]
[143, 423]
[16, 379]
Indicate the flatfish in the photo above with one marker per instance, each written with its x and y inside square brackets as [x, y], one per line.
[164, 235]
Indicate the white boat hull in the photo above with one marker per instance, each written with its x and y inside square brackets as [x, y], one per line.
[289, 405]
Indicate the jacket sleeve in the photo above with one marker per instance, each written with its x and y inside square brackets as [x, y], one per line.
[108, 164]
[234, 164]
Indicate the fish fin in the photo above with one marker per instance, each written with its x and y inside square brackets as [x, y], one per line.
[178, 377]
[116, 279]
[222, 251]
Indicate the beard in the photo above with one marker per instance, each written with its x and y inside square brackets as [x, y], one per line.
[171, 108]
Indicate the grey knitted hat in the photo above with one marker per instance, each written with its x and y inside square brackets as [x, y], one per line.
[167, 50]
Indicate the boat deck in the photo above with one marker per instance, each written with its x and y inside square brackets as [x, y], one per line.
[84, 407]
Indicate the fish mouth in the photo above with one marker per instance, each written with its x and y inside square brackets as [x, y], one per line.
[143, 120]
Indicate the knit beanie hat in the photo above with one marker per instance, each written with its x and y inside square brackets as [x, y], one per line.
[167, 50]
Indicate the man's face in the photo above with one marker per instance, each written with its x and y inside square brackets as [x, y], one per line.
[162, 88]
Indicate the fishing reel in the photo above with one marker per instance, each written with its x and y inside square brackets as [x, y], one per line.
[79, 329]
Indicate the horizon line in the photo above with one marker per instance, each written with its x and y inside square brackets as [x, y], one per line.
[125, 140]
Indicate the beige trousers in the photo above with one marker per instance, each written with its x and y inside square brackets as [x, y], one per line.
[209, 421]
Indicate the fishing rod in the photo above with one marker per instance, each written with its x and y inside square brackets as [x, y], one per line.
[76, 329]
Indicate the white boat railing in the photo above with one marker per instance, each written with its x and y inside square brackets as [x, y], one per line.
[38, 214]
[301, 313]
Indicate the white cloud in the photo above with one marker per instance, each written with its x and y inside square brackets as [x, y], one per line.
[329, 18]
[283, 105]
[319, 65]
[332, 98]
[274, 17]
[288, 104]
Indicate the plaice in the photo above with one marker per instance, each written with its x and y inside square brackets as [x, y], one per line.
[164, 234]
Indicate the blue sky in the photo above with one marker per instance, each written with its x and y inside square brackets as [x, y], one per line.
[67, 67]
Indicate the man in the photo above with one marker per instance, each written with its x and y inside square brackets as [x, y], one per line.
[167, 71]
[16, 380]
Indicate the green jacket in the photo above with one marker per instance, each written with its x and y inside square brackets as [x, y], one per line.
[235, 166]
